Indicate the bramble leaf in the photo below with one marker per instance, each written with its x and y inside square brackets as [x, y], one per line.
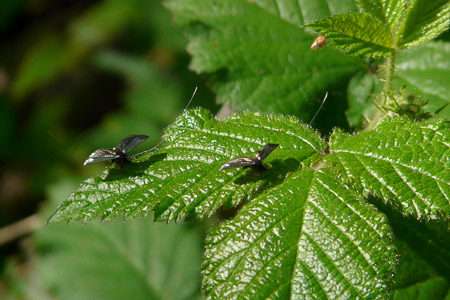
[424, 20]
[416, 279]
[182, 180]
[308, 237]
[259, 57]
[404, 163]
[115, 260]
[301, 12]
[361, 90]
[424, 71]
[388, 12]
[357, 33]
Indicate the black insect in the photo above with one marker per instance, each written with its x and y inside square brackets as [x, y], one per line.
[255, 163]
[118, 154]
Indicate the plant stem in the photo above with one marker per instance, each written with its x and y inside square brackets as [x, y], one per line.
[387, 95]
[389, 83]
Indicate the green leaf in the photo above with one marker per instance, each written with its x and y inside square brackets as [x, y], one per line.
[183, 180]
[142, 111]
[402, 162]
[388, 12]
[43, 63]
[424, 71]
[138, 260]
[357, 33]
[56, 54]
[424, 21]
[258, 58]
[361, 90]
[428, 243]
[415, 279]
[308, 237]
[301, 12]
[430, 289]
[100, 23]
[115, 260]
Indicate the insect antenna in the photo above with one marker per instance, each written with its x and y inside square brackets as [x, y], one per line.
[56, 138]
[192, 97]
[321, 105]
[160, 142]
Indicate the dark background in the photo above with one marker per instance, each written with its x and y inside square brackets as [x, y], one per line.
[76, 76]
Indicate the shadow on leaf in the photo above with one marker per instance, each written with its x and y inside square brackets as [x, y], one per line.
[273, 176]
[134, 168]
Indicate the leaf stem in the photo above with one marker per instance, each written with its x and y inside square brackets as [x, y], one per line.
[389, 83]
[387, 95]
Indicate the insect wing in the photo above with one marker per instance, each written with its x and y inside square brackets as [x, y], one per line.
[238, 163]
[268, 148]
[130, 142]
[101, 155]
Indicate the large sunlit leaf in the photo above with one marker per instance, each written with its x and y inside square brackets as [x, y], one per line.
[404, 163]
[309, 237]
[182, 180]
[425, 71]
[261, 60]
[357, 33]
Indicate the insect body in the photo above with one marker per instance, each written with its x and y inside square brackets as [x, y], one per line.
[318, 43]
[255, 163]
[118, 154]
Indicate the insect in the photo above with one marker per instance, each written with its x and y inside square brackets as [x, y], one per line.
[117, 154]
[318, 43]
[255, 163]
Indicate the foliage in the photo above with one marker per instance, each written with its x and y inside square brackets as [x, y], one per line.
[114, 260]
[304, 204]
[385, 26]
[305, 227]
[337, 215]
[260, 58]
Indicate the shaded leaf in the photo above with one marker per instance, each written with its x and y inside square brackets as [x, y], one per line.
[259, 60]
[46, 60]
[357, 33]
[404, 163]
[100, 23]
[307, 237]
[421, 239]
[416, 279]
[182, 180]
[425, 71]
[135, 260]
[430, 289]
[361, 90]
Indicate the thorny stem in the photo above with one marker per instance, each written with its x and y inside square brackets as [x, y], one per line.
[387, 95]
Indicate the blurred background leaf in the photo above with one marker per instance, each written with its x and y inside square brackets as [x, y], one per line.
[425, 71]
[259, 57]
[75, 77]
[137, 260]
